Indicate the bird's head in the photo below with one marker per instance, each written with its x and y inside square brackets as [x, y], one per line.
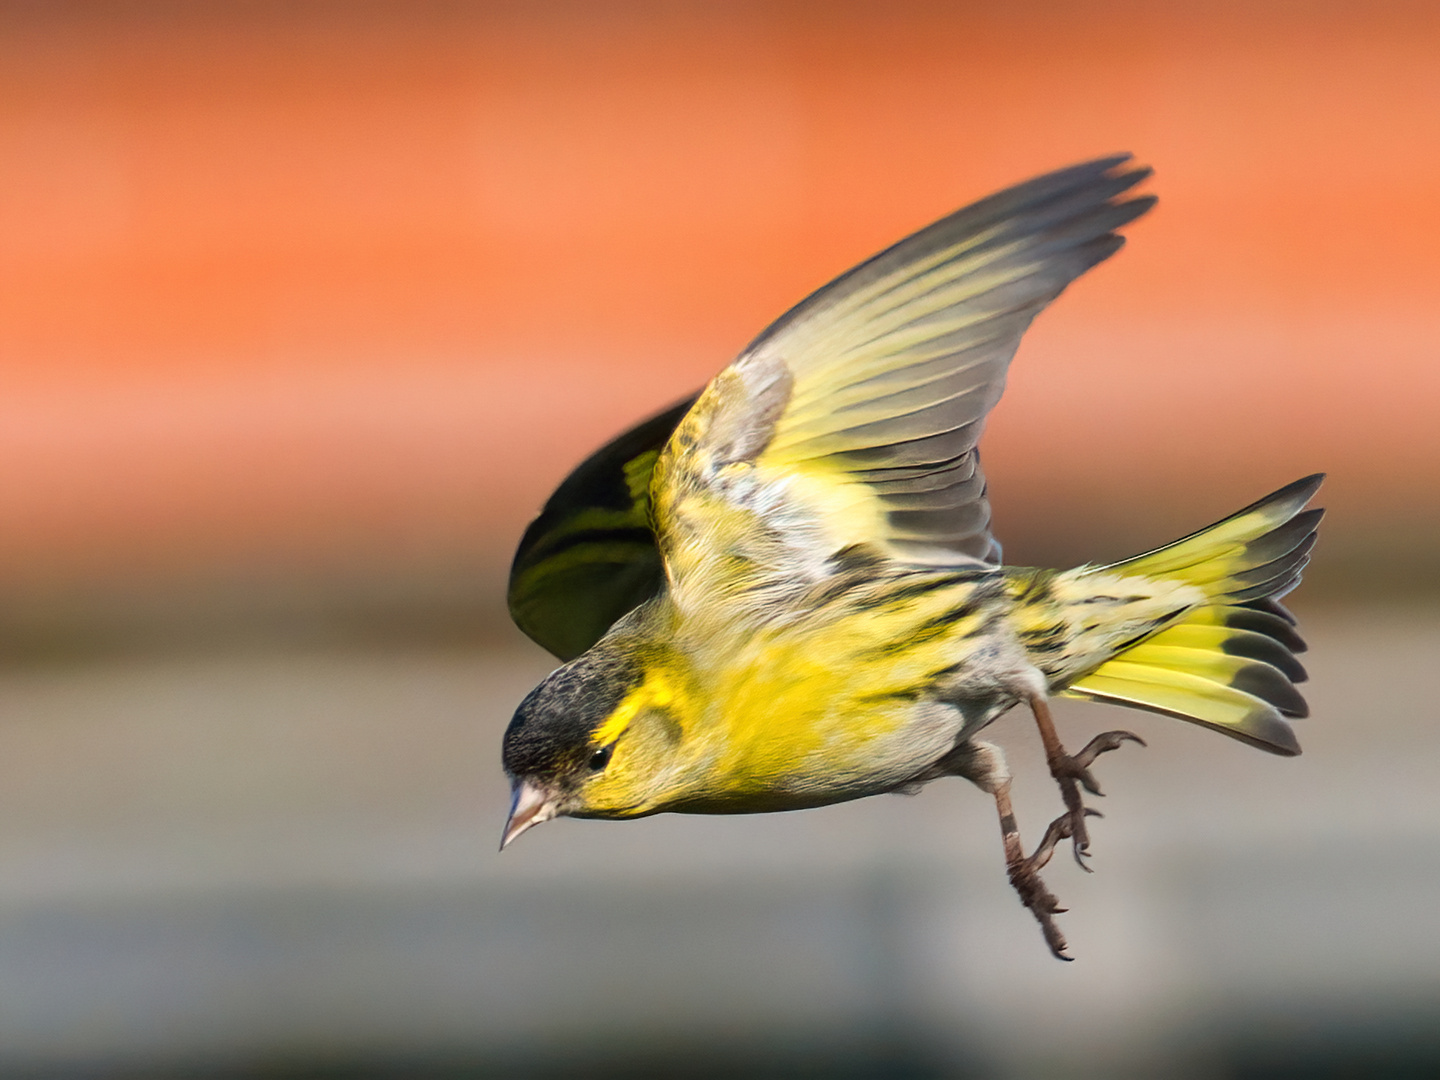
[600, 737]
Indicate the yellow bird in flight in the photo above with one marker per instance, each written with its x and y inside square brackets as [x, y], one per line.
[784, 592]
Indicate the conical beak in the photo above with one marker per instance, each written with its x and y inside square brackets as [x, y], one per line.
[530, 806]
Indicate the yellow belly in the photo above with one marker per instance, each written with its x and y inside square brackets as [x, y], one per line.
[821, 710]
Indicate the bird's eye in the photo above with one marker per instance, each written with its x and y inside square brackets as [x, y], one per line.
[601, 757]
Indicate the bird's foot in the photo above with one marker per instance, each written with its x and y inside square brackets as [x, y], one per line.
[1071, 772]
[1024, 871]
[1024, 876]
[1077, 766]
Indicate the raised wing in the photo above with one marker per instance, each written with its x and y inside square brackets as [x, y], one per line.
[851, 423]
[590, 556]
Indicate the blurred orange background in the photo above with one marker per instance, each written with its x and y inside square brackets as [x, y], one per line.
[336, 292]
[306, 306]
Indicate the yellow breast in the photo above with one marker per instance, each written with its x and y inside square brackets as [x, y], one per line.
[831, 701]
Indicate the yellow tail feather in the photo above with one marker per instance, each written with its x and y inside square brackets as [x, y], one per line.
[1229, 665]
[1257, 552]
[1208, 674]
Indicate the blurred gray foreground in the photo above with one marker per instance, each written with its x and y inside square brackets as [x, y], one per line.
[285, 865]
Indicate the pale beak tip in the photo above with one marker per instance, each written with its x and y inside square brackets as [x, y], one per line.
[529, 806]
[511, 832]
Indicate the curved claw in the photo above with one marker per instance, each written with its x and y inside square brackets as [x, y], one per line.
[1082, 851]
[1061, 828]
[1053, 937]
[1104, 743]
[1077, 766]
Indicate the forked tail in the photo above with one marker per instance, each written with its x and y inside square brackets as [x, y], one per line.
[1229, 664]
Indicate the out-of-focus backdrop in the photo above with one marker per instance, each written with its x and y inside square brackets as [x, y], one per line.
[304, 308]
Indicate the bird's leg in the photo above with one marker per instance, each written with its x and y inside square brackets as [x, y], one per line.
[1073, 770]
[1025, 871]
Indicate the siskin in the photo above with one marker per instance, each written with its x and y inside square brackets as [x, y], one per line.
[784, 592]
